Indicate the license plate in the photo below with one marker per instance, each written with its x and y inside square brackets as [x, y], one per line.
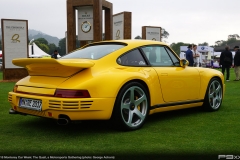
[33, 104]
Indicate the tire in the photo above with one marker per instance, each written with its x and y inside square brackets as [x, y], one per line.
[131, 107]
[214, 95]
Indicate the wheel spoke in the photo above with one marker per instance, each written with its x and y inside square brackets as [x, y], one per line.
[130, 117]
[125, 106]
[214, 102]
[211, 95]
[132, 95]
[213, 86]
[140, 100]
[139, 114]
[218, 90]
[218, 98]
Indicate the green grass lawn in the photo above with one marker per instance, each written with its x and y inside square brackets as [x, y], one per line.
[189, 132]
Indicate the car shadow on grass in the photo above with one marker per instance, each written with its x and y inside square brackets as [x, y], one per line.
[176, 114]
[36, 123]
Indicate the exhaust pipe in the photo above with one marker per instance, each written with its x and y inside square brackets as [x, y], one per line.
[62, 121]
[12, 111]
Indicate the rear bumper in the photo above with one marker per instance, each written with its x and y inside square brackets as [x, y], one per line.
[74, 108]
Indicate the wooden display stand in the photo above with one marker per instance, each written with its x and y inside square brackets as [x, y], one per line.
[122, 25]
[15, 45]
[98, 7]
[156, 33]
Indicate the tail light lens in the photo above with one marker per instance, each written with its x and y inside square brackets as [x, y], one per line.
[15, 88]
[64, 93]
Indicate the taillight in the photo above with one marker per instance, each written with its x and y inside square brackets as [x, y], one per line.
[64, 93]
[15, 88]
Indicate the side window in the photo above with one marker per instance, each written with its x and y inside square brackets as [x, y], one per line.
[132, 58]
[173, 57]
[158, 56]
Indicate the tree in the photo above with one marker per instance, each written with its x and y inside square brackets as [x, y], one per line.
[42, 40]
[176, 46]
[52, 47]
[233, 36]
[44, 47]
[203, 44]
[220, 43]
[138, 37]
[62, 47]
[164, 34]
[231, 40]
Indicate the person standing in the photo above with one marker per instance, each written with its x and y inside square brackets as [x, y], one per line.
[212, 63]
[189, 56]
[55, 54]
[237, 63]
[182, 55]
[196, 56]
[226, 61]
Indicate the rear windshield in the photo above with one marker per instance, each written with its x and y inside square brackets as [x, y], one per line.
[94, 51]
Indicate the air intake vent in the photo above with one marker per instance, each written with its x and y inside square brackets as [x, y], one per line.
[9, 98]
[86, 104]
[70, 105]
[55, 104]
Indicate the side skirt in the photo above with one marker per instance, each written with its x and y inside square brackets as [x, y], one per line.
[175, 106]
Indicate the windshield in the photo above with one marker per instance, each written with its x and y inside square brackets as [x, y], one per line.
[94, 51]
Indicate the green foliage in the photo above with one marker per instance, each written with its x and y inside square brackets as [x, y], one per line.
[51, 47]
[37, 43]
[164, 34]
[138, 37]
[62, 47]
[203, 44]
[176, 46]
[231, 39]
[0, 44]
[42, 41]
[44, 47]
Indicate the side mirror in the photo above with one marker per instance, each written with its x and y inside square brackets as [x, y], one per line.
[184, 63]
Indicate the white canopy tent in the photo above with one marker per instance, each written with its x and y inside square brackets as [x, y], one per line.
[205, 50]
[202, 49]
[36, 52]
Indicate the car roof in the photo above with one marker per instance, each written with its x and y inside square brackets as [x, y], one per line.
[133, 42]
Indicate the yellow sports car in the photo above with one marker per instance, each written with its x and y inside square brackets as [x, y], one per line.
[124, 80]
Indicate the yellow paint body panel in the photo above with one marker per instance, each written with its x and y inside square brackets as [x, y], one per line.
[103, 79]
[74, 108]
[35, 90]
